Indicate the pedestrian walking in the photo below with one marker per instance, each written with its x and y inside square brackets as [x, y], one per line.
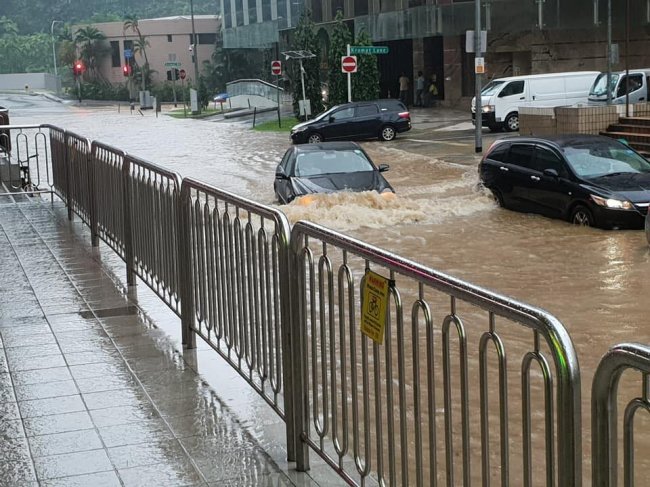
[419, 89]
[403, 89]
[433, 91]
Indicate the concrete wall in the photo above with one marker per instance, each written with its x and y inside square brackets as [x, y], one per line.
[34, 81]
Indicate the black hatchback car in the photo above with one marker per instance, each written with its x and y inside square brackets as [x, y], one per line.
[355, 121]
[586, 179]
[327, 168]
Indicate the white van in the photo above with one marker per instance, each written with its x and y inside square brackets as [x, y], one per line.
[639, 82]
[502, 97]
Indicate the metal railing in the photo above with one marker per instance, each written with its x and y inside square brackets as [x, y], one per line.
[236, 296]
[379, 402]
[431, 405]
[628, 356]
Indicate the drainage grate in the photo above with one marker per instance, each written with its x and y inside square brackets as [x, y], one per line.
[110, 312]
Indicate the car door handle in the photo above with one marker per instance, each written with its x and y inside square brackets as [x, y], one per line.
[642, 98]
[503, 168]
[522, 98]
[535, 178]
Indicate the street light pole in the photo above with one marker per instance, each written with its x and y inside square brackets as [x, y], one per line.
[56, 74]
[195, 52]
[478, 105]
[609, 52]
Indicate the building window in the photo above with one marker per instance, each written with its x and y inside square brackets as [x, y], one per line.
[360, 7]
[416, 3]
[252, 12]
[207, 38]
[282, 9]
[387, 5]
[239, 11]
[169, 37]
[116, 60]
[227, 17]
[266, 10]
[336, 6]
[316, 11]
[128, 46]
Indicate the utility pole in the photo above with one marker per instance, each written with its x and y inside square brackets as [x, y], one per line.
[478, 113]
[195, 53]
[56, 74]
[609, 52]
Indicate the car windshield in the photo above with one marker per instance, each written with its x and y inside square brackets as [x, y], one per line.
[492, 87]
[313, 163]
[326, 113]
[600, 85]
[604, 158]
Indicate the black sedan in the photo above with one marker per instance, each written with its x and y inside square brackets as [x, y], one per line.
[586, 179]
[326, 168]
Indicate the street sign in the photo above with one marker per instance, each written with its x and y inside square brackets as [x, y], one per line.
[349, 64]
[182, 74]
[172, 64]
[479, 65]
[128, 53]
[469, 41]
[276, 68]
[369, 49]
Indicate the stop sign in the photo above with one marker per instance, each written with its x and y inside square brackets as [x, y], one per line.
[276, 68]
[349, 64]
[181, 74]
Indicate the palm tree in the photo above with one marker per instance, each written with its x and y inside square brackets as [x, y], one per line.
[140, 45]
[90, 41]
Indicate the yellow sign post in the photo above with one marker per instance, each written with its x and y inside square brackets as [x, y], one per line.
[374, 305]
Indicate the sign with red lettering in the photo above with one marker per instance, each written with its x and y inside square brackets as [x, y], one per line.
[276, 68]
[374, 303]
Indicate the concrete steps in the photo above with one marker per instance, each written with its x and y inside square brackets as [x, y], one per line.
[635, 130]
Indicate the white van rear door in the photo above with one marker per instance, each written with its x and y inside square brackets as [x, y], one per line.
[578, 87]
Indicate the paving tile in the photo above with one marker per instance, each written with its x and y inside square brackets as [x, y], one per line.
[123, 415]
[90, 344]
[232, 463]
[102, 479]
[101, 369]
[49, 406]
[32, 351]
[107, 383]
[69, 464]
[6, 389]
[16, 467]
[109, 399]
[69, 442]
[40, 376]
[43, 338]
[34, 363]
[255, 479]
[170, 475]
[135, 433]
[70, 321]
[25, 328]
[3, 364]
[158, 451]
[58, 423]
[27, 392]
[11, 428]
[99, 356]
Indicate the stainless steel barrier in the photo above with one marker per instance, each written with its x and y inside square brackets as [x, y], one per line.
[154, 202]
[627, 356]
[25, 159]
[59, 165]
[80, 192]
[379, 403]
[235, 260]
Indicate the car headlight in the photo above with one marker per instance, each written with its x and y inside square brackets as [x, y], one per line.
[612, 203]
[488, 108]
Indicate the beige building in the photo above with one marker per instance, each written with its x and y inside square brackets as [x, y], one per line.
[169, 38]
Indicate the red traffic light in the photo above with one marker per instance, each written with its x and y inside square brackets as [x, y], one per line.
[78, 67]
[126, 70]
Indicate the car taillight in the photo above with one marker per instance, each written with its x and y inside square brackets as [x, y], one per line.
[406, 115]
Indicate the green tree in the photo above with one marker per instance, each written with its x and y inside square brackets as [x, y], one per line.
[139, 47]
[365, 82]
[92, 48]
[337, 80]
[304, 39]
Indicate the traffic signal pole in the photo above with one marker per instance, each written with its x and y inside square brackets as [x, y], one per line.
[478, 110]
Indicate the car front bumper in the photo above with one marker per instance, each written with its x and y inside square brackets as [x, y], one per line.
[487, 119]
[611, 218]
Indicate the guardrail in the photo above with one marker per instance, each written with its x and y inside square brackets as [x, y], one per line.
[362, 395]
[283, 308]
[627, 356]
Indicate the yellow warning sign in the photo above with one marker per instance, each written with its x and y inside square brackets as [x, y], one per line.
[374, 305]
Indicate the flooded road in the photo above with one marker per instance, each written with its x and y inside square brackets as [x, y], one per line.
[595, 282]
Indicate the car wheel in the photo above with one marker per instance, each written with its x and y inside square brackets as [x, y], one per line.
[498, 198]
[512, 122]
[582, 216]
[314, 138]
[387, 133]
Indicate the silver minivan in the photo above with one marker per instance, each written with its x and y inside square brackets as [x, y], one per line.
[639, 80]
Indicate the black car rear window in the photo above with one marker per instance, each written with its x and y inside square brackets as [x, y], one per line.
[366, 110]
[521, 155]
[392, 106]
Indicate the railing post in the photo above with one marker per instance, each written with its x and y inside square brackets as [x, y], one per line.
[299, 392]
[94, 236]
[68, 177]
[184, 203]
[128, 230]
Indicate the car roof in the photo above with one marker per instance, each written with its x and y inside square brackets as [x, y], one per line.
[327, 146]
[560, 141]
[380, 102]
[548, 75]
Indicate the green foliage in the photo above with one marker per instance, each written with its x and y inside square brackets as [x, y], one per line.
[304, 38]
[165, 92]
[338, 81]
[272, 125]
[231, 64]
[365, 82]
[25, 54]
[96, 90]
[93, 48]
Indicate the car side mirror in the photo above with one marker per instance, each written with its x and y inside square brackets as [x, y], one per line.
[552, 173]
[332, 119]
[280, 173]
[383, 167]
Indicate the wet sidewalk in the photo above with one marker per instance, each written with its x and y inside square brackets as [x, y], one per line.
[94, 393]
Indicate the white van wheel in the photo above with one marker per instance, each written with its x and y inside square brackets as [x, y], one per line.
[512, 122]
